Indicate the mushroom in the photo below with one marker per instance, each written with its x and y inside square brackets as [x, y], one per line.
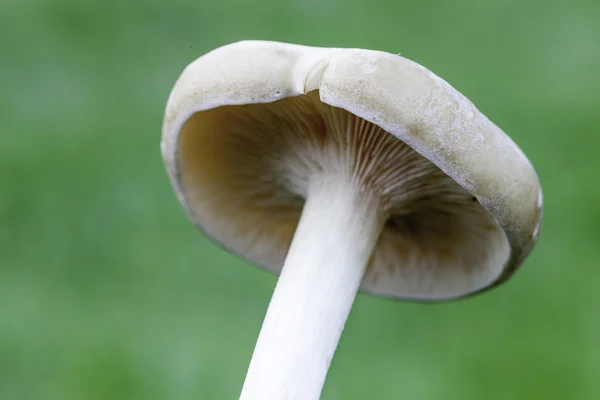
[344, 170]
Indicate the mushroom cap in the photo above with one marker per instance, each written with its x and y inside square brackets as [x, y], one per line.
[397, 95]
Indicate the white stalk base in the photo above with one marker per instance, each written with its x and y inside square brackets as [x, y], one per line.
[321, 275]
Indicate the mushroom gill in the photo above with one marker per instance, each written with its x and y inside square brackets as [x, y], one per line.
[245, 172]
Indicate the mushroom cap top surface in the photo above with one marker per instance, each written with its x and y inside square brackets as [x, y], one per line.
[246, 84]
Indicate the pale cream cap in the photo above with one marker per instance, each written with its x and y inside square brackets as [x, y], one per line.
[392, 92]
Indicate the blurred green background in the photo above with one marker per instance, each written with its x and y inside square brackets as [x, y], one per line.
[108, 292]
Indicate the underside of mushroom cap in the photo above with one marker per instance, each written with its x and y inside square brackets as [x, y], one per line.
[248, 124]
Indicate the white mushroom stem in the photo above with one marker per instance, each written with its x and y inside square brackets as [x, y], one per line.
[337, 232]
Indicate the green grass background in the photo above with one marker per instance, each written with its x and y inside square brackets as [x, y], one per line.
[108, 292]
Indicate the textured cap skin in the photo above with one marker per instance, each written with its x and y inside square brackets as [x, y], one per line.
[399, 95]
